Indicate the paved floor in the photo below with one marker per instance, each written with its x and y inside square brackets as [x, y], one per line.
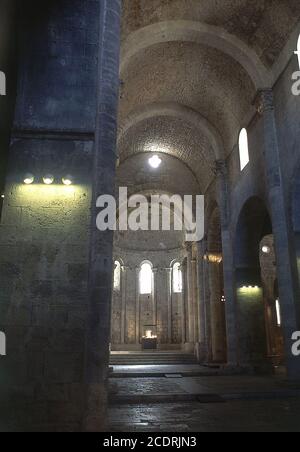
[240, 416]
[152, 370]
[173, 403]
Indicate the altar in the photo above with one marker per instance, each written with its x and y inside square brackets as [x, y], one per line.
[149, 338]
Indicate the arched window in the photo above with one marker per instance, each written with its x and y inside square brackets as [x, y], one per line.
[297, 52]
[146, 279]
[177, 278]
[117, 276]
[244, 149]
[278, 312]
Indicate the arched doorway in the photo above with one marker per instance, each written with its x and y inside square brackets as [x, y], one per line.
[253, 225]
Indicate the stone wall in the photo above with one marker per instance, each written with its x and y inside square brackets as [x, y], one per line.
[44, 233]
[131, 311]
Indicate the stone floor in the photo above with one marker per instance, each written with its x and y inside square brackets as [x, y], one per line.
[173, 402]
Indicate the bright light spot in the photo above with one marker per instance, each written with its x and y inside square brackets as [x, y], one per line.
[29, 179]
[278, 313]
[244, 149]
[2, 196]
[266, 249]
[48, 179]
[146, 276]
[117, 276]
[155, 162]
[67, 180]
[177, 278]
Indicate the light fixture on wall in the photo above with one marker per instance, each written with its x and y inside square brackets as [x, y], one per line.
[250, 288]
[48, 179]
[223, 299]
[213, 258]
[67, 180]
[155, 162]
[28, 179]
[266, 249]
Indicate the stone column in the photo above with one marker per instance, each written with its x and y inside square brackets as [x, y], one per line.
[195, 298]
[190, 300]
[207, 309]
[168, 278]
[101, 243]
[281, 229]
[137, 306]
[228, 263]
[123, 302]
[184, 302]
[202, 347]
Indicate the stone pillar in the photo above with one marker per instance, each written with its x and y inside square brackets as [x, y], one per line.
[184, 302]
[137, 306]
[123, 302]
[190, 300]
[168, 278]
[195, 296]
[101, 244]
[228, 264]
[207, 307]
[281, 229]
[202, 345]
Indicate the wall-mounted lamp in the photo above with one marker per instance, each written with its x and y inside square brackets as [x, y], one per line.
[67, 180]
[266, 249]
[28, 179]
[48, 179]
[250, 288]
[213, 258]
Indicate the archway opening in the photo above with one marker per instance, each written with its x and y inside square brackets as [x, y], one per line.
[259, 344]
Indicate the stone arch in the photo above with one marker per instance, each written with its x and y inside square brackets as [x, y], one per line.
[173, 109]
[254, 223]
[188, 31]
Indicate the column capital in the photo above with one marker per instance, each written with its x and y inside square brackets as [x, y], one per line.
[264, 100]
[220, 168]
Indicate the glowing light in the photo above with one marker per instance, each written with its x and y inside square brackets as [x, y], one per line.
[155, 162]
[146, 276]
[297, 52]
[2, 196]
[67, 180]
[48, 179]
[117, 276]
[266, 249]
[213, 258]
[28, 179]
[244, 149]
[149, 335]
[278, 312]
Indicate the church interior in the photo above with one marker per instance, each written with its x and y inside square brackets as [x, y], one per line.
[140, 329]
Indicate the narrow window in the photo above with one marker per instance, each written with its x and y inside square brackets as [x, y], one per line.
[297, 52]
[244, 149]
[117, 276]
[177, 278]
[146, 277]
[278, 313]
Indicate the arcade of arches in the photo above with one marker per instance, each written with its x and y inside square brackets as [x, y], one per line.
[94, 92]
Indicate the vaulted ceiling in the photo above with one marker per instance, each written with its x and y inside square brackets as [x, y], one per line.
[189, 72]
